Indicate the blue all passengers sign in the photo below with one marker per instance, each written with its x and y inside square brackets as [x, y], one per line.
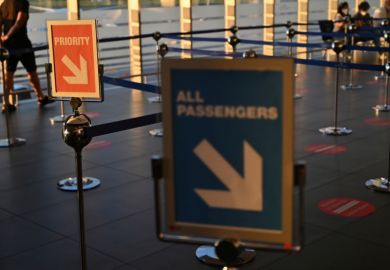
[228, 146]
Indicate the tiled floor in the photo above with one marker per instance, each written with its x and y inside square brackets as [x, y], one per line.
[38, 222]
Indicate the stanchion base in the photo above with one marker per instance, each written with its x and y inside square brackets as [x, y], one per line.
[382, 76]
[335, 131]
[351, 86]
[58, 119]
[156, 99]
[70, 184]
[297, 96]
[378, 184]
[207, 255]
[382, 108]
[157, 132]
[12, 142]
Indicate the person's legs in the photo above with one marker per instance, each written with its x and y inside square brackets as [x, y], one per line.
[35, 83]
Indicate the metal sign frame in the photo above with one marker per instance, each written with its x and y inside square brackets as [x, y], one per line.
[59, 94]
[194, 231]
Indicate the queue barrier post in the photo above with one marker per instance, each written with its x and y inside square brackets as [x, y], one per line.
[233, 41]
[58, 118]
[9, 141]
[380, 183]
[73, 135]
[290, 33]
[350, 86]
[386, 106]
[335, 130]
[161, 51]
[382, 75]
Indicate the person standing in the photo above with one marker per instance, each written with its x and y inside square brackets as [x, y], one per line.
[14, 15]
[340, 22]
[382, 12]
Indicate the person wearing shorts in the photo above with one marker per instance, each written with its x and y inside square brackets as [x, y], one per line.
[14, 15]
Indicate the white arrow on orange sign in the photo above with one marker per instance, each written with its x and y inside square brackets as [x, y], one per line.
[80, 74]
[245, 193]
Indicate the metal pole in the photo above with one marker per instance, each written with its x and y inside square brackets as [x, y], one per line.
[80, 195]
[6, 102]
[336, 92]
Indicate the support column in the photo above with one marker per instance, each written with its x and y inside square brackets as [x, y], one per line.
[73, 9]
[332, 9]
[186, 26]
[135, 45]
[357, 2]
[230, 20]
[303, 17]
[269, 19]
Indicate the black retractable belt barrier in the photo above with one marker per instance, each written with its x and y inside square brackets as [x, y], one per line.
[9, 141]
[335, 130]
[350, 86]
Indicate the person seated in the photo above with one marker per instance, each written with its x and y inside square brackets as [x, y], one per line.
[340, 22]
[363, 21]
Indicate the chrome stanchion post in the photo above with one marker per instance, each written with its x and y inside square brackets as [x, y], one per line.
[59, 118]
[157, 37]
[380, 183]
[351, 29]
[382, 75]
[335, 130]
[290, 33]
[233, 41]
[162, 50]
[386, 106]
[9, 141]
[227, 253]
[73, 135]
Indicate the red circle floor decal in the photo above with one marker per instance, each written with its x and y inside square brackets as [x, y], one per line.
[98, 144]
[346, 207]
[324, 148]
[377, 121]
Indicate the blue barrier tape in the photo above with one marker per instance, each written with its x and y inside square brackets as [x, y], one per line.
[340, 34]
[133, 85]
[286, 44]
[196, 38]
[98, 130]
[297, 60]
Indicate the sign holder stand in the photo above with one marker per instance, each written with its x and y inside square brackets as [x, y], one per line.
[59, 118]
[70, 183]
[351, 29]
[72, 136]
[290, 35]
[226, 252]
[161, 51]
[335, 130]
[381, 183]
[386, 106]
[9, 141]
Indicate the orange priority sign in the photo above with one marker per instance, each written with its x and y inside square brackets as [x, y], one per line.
[74, 59]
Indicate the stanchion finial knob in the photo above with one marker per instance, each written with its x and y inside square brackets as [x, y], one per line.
[291, 33]
[4, 54]
[347, 19]
[156, 36]
[233, 40]
[387, 68]
[234, 29]
[289, 24]
[352, 28]
[73, 131]
[249, 54]
[338, 46]
[386, 36]
[385, 22]
[162, 49]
